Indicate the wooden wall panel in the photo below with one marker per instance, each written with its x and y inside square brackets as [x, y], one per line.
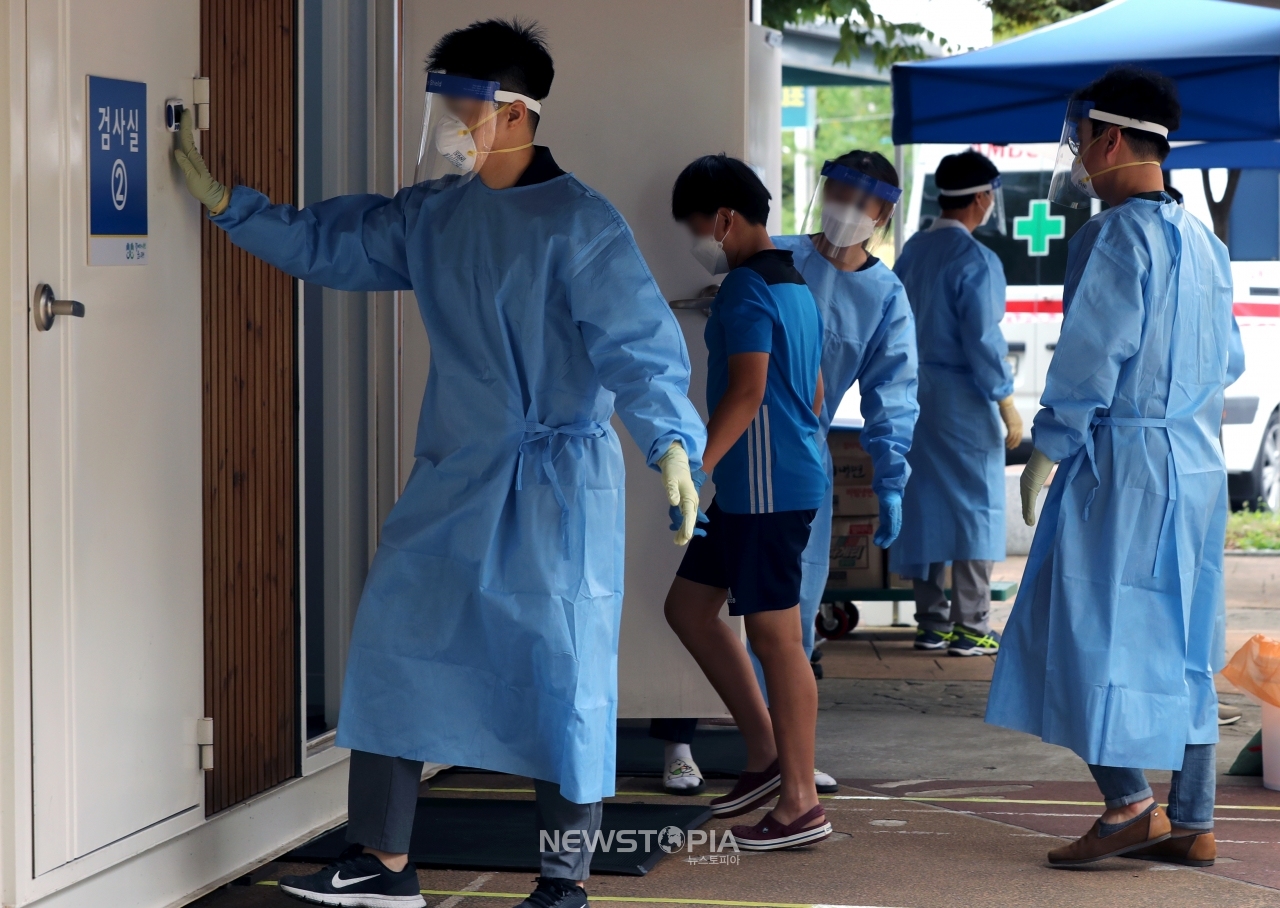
[251, 683]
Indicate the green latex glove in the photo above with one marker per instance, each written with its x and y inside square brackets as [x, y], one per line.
[682, 493]
[210, 193]
[1034, 475]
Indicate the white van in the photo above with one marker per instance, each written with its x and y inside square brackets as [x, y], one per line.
[1033, 249]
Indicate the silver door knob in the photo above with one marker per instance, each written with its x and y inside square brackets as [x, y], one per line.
[44, 308]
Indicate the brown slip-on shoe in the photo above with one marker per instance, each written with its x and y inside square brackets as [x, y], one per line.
[752, 790]
[771, 835]
[1192, 847]
[1148, 829]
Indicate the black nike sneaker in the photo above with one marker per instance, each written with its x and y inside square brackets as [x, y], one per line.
[556, 893]
[357, 880]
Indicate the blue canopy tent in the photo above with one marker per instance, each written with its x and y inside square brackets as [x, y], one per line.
[1224, 56]
[1263, 155]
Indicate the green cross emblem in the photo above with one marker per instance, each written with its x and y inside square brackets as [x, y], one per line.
[1039, 227]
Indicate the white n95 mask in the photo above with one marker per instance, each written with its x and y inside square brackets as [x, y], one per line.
[846, 225]
[1080, 178]
[709, 251]
[986, 215]
[710, 254]
[456, 144]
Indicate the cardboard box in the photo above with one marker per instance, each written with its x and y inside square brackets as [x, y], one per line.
[851, 462]
[854, 501]
[898, 582]
[855, 562]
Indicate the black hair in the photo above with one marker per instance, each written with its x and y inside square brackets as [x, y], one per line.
[718, 181]
[872, 163]
[960, 171]
[1141, 94]
[511, 52]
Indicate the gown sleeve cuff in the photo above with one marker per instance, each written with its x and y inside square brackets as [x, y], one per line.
[243, 203]
[692, 447]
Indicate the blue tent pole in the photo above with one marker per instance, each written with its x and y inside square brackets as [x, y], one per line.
[899, 162]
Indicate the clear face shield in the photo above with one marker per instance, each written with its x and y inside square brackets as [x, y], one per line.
[993, 220]
[460, 126]
[1072, 184]
[847, 208]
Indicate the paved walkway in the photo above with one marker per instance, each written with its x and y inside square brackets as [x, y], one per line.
[936, 808]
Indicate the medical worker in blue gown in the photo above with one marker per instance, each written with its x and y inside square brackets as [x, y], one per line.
[869, 336]
[1119, 626]
[487, 634]
[953, 507]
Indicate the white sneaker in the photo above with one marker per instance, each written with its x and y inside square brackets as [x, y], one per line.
[824, 783]
[682, 775]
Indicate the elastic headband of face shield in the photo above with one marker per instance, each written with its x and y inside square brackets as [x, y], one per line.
[990, 186]
[1087, 110]
[479, 89]
[859, 180]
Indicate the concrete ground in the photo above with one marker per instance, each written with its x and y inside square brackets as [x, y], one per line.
[935, 808]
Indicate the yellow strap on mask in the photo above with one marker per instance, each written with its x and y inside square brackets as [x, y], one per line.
[1089, 178]
[485, 120]
[516, 148]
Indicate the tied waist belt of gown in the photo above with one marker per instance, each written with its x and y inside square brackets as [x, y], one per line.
[537, 433]
[1141, 422]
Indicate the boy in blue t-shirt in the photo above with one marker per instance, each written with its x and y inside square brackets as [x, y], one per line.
[764, 391]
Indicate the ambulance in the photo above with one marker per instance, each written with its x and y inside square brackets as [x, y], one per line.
[1033, 248]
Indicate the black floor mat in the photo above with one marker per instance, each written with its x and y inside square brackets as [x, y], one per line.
[479, 834]
[719, 752]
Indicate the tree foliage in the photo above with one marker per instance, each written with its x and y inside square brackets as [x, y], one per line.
[864, 32]
[1013, 17]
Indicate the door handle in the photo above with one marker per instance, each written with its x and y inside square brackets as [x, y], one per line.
[44, 308]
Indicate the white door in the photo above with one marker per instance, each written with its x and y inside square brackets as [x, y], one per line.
[115, 403]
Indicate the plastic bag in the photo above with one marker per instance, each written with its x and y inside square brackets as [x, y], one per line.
[1255, 669]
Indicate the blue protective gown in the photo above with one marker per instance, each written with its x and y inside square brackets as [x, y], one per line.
[487, 634]
[953, 507]
[1119, 626]
[869, 336]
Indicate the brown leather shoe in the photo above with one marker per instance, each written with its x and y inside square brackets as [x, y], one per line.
[1146, 830]
[1192, 847]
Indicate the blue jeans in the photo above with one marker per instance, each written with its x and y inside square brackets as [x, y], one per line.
[1190, 794]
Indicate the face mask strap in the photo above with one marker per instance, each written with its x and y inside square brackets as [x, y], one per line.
[728, 226]
[516, 148]
[1090, 177]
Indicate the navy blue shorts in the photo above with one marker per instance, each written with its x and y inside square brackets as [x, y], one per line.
[756, 557]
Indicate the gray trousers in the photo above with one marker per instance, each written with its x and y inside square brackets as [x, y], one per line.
[970, 604]
[382, 795]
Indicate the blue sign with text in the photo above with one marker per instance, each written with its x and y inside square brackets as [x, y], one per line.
[117, 169]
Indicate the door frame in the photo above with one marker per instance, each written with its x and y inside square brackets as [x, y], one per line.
[136, 869]
[320, 752]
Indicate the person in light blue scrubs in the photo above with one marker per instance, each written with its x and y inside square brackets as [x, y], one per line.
[953, 507]
[1119, 627]
[869, 338]
[487, 634]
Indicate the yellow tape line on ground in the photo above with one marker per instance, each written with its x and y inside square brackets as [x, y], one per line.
[968, 800]
[466, 893]
[975, 800]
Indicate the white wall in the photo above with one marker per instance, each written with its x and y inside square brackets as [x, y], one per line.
[641, 89]
[13, 283]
